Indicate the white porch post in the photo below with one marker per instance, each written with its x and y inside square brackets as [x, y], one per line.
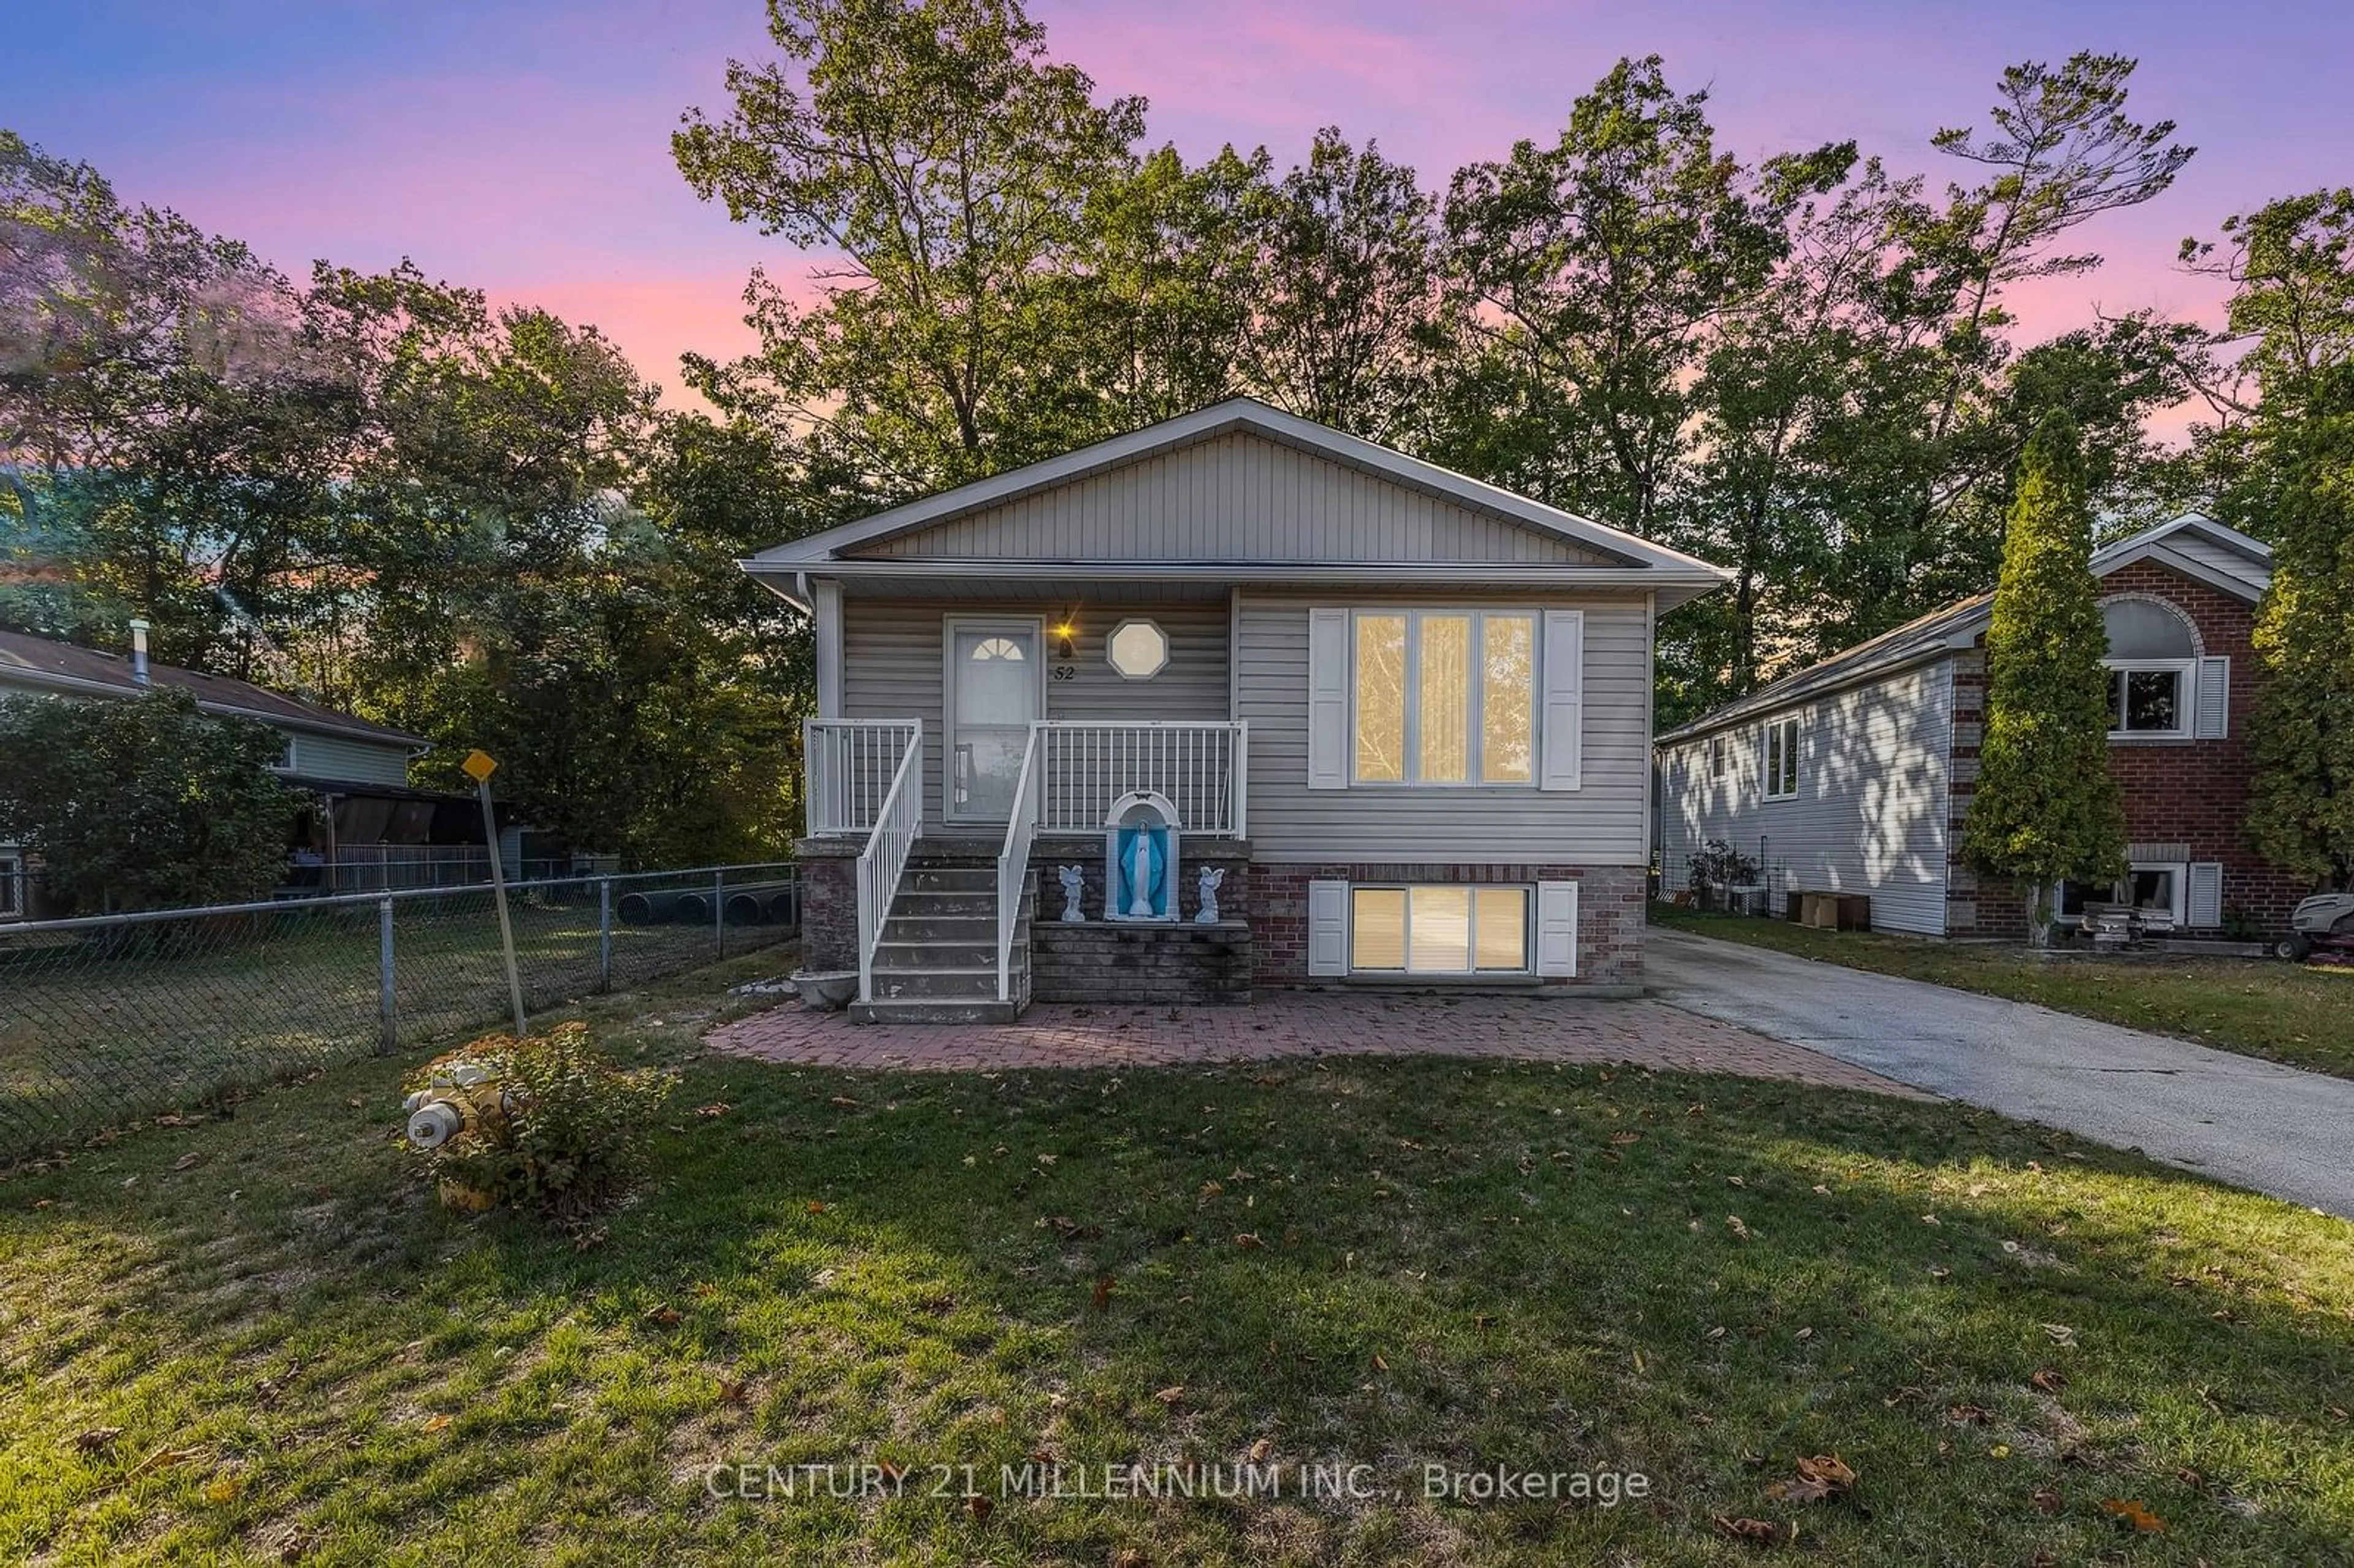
[826, 604]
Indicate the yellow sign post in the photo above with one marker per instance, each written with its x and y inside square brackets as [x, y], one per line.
[479, 767]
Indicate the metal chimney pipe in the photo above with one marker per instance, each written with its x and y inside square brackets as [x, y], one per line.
[139, 651]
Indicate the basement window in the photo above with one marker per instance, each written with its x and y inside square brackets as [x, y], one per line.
[1444, 929]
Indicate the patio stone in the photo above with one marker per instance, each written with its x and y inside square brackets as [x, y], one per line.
[1643, 1034]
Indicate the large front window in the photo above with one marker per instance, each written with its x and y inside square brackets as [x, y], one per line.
[1450, 928]
[1445, 697]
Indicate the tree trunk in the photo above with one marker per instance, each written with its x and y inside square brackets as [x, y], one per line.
[2039, 917]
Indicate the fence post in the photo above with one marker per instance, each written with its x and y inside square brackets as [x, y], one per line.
[604, 934]
[386, 1036]
[720, 914]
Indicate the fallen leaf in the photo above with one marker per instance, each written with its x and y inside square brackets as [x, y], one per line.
[96, 1437]
[1623, 1139]
[980, 1506]
[716, 1108]
[187, 1161]
[1969, 1414]
[841, 1100]
[665, 1316]
[223, 1488]
[814, 1207]
[1380, 1365]
[1172, 1394]
[1733, 1223]
[1938, 1271]
[2133, 1516]
[1046, 1160]
[2048, 1380]
[1757, 1532]
[1103, 1293]
[731, 1391]
[2045, 1499]
[1259, 1451]
[2000, 1451]
[436, 1423]
[2062, 1334]
[1248, 1239]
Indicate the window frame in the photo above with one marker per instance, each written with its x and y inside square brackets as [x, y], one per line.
[12, 882]
[285, 762]
[1475, 710]
[1720, 756]
[2179, 906]
[1782, 741]
[1471, 891]
[2186, 687]
[1111, 641]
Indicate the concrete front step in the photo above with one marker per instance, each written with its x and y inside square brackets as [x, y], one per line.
[918, 957]
[938, 980]
[935, 1010]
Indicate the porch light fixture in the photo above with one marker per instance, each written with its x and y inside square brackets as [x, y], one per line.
[1139, 650]
[1064, 634]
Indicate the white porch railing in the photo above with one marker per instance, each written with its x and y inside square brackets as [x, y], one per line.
[851, 764]
[1013, 862]
[898, 824]
[1201, 769]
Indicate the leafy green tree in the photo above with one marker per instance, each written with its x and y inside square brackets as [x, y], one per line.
[2301, 814]
[2046, 809]
[145, 802]
[1598, 265]
[943, 166]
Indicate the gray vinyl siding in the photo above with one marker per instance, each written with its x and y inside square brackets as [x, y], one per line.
[347, 761]
[1237, 497]
[1871, 815]
[1599, 823]
[893, 667]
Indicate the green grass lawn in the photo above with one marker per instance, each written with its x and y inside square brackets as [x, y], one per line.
[90, 1035]
[258, 1336]
[2260, 1007]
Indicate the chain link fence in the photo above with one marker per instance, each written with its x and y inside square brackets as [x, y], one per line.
[113, 1017]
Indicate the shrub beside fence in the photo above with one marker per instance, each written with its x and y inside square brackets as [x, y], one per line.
[116, 1016]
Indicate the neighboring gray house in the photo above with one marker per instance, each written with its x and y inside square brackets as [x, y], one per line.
[1404, 714]
[1854, 775]
[357, 771]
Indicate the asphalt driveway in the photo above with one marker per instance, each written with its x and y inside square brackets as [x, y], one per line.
[2253, 1123]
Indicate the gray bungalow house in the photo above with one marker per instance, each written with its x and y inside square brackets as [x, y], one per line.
[1854, 775]
[1233, 701]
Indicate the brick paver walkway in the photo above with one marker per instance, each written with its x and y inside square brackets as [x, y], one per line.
[1310, 1023]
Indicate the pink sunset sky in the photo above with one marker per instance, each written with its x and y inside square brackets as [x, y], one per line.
[522, 145]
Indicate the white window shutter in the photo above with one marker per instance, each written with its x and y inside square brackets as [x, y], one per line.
[1560, 738]
[2211, 708]
[1557, 928]
[2205, 903]
[1327, 928]
[1328, 699]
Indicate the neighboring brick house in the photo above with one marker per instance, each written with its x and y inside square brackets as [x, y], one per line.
[1404, 713]
[1855, 775]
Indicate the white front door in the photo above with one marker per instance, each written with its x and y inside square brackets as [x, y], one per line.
[995, 692]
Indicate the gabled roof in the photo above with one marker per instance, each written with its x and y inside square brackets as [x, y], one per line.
[2198, 547]
[1626, 560]
[88, 672]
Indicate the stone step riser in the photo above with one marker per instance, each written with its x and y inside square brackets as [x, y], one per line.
[989, 1012]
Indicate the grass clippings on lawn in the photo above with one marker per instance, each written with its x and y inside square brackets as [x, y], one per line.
[2291, 1013]
[260, 1337]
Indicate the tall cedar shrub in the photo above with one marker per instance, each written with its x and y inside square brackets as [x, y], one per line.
[2301, 728]
[2046, 809]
